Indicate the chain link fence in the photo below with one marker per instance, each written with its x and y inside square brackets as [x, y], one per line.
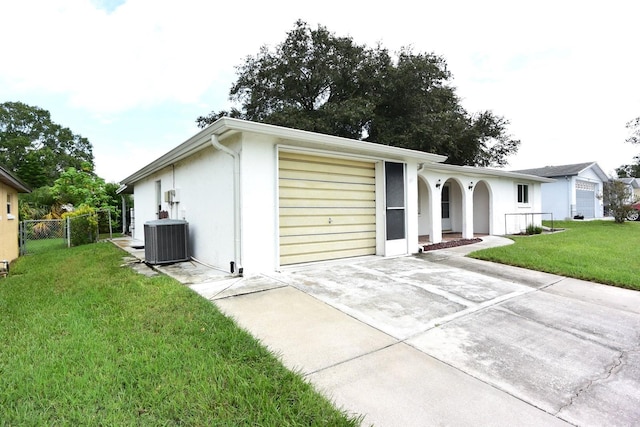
[45, 234]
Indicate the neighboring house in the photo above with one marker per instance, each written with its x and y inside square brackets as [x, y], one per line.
[10, 186]
[260, 197]
[633, 185]
[576, 192]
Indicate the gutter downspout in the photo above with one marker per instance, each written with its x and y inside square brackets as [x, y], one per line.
[124, 215]
[236, 264]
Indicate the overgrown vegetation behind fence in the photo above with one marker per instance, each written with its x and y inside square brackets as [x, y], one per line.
[74, 229]
[43, 234]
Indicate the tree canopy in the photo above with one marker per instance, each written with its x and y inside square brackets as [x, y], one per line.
[78, 187]
[37, 149]
[634, 127]
[81, 189]
[321, 82]
[631, 170]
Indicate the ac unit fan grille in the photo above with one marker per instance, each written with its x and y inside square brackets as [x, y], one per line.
[166, 241]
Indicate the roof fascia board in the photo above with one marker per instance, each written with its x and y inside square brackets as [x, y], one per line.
[486, 172]
[7, 178]
[293, 135]
[598, 170]
[226, 125]
[187, 148]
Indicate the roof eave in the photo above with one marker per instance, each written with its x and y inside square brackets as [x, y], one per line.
[12, 181]
[335, 142]
[480, 172]
[598, 170]
[226, 125]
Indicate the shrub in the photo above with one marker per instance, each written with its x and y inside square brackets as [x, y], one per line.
[534, 229]
[83, 223]
[617, 196]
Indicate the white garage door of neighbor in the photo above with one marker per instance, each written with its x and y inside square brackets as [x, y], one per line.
[585, 203]
[327, 208]
[585, 199]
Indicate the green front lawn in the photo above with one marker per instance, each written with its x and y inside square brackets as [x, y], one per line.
[598, 251]
[84, 341]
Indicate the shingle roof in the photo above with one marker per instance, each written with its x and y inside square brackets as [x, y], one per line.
[7, 178]
[558, 171]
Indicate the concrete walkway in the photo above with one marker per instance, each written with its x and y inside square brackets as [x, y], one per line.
[440, 339]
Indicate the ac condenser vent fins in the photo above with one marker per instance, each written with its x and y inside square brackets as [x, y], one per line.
[166, 241]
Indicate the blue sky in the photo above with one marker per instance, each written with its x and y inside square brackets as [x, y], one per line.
[133, 75]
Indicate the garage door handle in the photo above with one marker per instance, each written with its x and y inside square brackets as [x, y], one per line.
[330, 220]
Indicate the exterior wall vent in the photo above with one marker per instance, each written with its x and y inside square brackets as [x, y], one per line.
[166, 241]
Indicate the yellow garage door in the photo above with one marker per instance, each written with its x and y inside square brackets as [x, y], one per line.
[327, 208]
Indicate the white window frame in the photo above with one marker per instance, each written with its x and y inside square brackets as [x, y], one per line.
[10, 215]
[526, 199]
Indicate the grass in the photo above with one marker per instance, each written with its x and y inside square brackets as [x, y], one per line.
[42, 245]
[84, 341]
[598, 251]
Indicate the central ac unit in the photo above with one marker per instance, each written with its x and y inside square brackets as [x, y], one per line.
[166, 241]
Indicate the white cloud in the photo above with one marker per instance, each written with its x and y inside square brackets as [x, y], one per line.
[563, 72]
[143, 53]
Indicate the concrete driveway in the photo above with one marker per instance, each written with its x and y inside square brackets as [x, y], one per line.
[439, 339]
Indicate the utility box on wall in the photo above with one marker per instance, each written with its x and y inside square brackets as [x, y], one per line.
[166, 241]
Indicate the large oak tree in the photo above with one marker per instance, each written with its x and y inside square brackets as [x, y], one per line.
[37, 149]
[321, 82]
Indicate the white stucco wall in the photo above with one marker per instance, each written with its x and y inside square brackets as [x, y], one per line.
[424, 214]
[509, 216]
[490, 207]
[411, 185]
[259, 183]
[145, 200]
[205, 183]
[205, 193]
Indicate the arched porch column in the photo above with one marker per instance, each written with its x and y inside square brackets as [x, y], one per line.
[435, 207]
[467, 211]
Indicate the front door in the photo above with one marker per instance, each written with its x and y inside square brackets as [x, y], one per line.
[446, 207]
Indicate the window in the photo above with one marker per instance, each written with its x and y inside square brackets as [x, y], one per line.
[10, 215]
[394, 185]
[445, 202]
[158, 198]
[523, 193]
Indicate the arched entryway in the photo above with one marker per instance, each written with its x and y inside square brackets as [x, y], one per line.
[451, 206]
[481, 208]
[425, 219]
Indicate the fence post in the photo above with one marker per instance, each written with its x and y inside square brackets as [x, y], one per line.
[68, 232]
[110, 231]
[21, 237]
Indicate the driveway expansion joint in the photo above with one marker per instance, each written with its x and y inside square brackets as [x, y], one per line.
[253, 292]
[351, 359]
